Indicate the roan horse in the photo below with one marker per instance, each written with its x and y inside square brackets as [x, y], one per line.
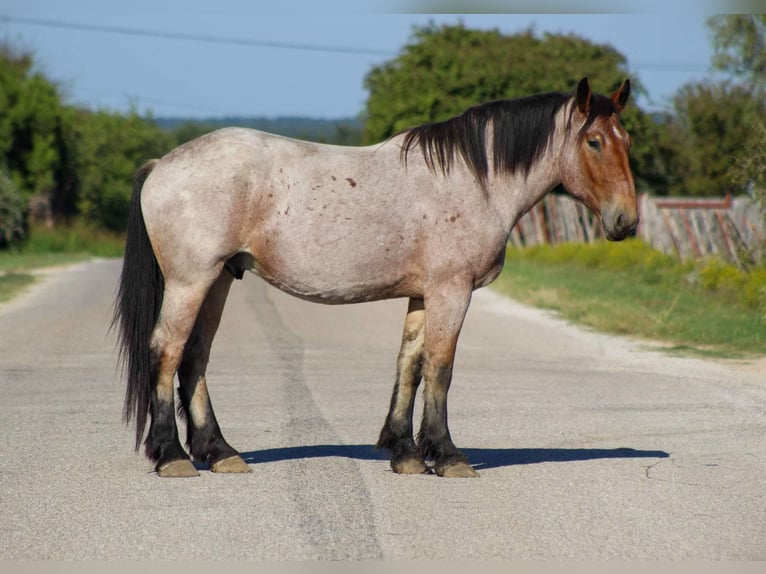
[425, 215]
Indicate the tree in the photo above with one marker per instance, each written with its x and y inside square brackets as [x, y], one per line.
[79, 163]
[110, 147]
[12, 212]
[32, 132]
[739, 43]
[712, 120]
[446, 69]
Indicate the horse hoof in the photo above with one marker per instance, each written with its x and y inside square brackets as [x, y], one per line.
[233, 464]
[409, 465]
[177, 469]
[458, 469]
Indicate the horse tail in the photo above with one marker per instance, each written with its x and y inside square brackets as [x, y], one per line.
[137, 308]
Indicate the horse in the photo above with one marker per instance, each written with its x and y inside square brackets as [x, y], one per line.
[424, 215]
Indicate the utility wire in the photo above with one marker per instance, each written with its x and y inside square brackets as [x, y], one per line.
[658, 66]
[191, 37]
[137, 32]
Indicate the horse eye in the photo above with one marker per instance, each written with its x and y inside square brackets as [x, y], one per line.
[595, 144]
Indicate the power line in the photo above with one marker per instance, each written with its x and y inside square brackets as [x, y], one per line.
[192, 37]
[137, 32]
[689, 67]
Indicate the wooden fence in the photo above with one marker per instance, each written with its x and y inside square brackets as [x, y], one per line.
[687, 228]
[556, 219]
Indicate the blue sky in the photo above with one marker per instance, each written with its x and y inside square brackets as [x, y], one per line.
[666, 44]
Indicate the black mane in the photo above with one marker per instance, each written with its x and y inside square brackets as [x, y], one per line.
[521, 130]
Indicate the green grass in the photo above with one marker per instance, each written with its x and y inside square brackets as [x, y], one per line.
[75, 239]
[53, 247]
[630, 289]
[13, 283]
[20, 262]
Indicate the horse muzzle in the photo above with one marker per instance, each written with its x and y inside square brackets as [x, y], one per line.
[619, 223]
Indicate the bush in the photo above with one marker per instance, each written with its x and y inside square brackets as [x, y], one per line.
[78, 237]
[12, 213]
[631, 254]
[746, 289]
[110, 149]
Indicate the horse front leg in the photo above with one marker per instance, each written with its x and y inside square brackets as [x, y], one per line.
[445, 309]
[396, 434]
[203, 434]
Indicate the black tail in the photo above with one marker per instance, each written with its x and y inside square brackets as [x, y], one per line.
[136, 309]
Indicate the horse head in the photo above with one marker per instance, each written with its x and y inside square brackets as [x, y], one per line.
[595, 163]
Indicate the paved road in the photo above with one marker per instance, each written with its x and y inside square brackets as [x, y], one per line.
[589, 447]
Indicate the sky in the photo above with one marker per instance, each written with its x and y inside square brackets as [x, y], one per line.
[223, 58]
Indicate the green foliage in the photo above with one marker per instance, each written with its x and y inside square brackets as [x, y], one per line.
[746, 288]
[750, 168]
[740, 48]
[739, 43]
[80, 163]
[712, 121]
[77, 238]
[110, 147]
[446, 69]
[629, 288]
[718, 276]
[32, 126]
[50, 247]
[13, 283]
[629, 254]
[12, 212]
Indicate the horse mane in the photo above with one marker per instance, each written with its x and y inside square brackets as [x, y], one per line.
[521, 131]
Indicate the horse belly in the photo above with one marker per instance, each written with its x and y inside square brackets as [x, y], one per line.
[335, 286]
[335, 266]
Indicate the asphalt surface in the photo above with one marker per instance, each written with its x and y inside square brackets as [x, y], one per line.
[588, 446]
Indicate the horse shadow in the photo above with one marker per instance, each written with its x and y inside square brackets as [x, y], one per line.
[481, 458]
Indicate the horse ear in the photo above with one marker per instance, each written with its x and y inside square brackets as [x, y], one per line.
[583, 96]
[620, 96]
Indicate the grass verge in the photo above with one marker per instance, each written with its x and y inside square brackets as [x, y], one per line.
[630, 289]
[12, 283]
[50, 247]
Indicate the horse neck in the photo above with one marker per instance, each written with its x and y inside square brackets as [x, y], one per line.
[514, 194]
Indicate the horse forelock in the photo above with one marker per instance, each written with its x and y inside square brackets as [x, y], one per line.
[520, 131]
[600, 107]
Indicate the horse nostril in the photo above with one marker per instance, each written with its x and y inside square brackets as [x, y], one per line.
[620, 221]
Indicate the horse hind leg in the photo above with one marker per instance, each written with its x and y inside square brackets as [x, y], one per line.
[180, 307]
[203, 434]
[396, 434]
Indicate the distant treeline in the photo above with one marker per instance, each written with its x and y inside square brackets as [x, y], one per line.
[342, 131]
